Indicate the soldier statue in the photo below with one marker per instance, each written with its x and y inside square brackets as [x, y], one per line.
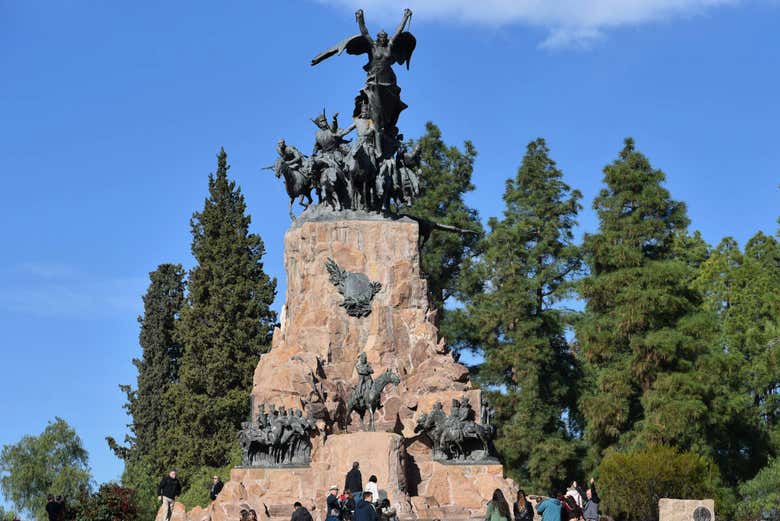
[364, 371]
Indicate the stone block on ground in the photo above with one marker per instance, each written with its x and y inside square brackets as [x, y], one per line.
[686, 509]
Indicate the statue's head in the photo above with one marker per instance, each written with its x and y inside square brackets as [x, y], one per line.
[437, 404]
[381, 38]
[362, 357]
[321, 120]
[281, 145]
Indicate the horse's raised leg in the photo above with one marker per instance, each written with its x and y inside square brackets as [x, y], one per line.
[292, 215]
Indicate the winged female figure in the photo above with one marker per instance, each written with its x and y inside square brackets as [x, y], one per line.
[381, 91]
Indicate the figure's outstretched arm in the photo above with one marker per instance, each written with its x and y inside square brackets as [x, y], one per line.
[344, 131]
[361, 21]
[402, 25]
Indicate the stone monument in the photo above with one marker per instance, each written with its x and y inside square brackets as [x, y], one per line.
[357, 338]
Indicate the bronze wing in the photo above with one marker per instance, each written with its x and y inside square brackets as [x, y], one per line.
[357, 44]
[403, 47]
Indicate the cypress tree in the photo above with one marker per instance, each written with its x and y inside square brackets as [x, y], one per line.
[528, 263]
[445, 179]
[639, 334]
[158, 367]
[147, 450]
[226, 324]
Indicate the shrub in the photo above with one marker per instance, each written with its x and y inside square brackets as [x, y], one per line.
[632, 483]
[111, 502]
[761, 495]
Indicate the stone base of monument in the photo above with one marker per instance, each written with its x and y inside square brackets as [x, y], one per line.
[454, 492]
[418, 488]
[312, 367]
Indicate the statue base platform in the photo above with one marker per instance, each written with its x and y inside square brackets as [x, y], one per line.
[311, 366]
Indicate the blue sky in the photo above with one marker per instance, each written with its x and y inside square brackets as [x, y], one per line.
[112, 114]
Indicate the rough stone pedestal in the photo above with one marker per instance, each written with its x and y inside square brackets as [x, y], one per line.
[311, 365]
[458, 491]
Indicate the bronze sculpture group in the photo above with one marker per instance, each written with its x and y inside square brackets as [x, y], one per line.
[277, 438]
[457, 436]
[376, 171]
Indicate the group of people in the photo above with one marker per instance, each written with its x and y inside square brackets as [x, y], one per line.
[355, 503]
[55, 508]
[170, 488]
[359, 503]
[573, 504]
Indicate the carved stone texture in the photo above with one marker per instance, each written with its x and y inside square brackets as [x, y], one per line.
[357, 290]
[316, 337]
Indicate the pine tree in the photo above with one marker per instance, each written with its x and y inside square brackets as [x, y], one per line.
[445, 179]
[528, 263]
[742, 294]
[640, 333]
[226, 324]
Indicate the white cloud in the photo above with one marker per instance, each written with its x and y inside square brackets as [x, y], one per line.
[572, 23]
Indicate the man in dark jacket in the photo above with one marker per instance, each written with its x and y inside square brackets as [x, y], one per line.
[167, 492]
[354, 482]
[52, 508]
[364, 510]
[216, 487]
[590, 508]
[332, 505]
[300, 513]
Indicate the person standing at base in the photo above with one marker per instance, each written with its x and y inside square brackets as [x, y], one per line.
[216, 487]
[167, 492]
[347, 502]
[498, 508]
[354, 482]
[590, 509]
[51, 508]
[374, 488]
[364, 509]
[386, 511]
[549, 508]
[300, 513]
[332, 505]
[523, 509]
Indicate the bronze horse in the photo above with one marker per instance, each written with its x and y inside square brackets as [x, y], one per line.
[370, 400]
